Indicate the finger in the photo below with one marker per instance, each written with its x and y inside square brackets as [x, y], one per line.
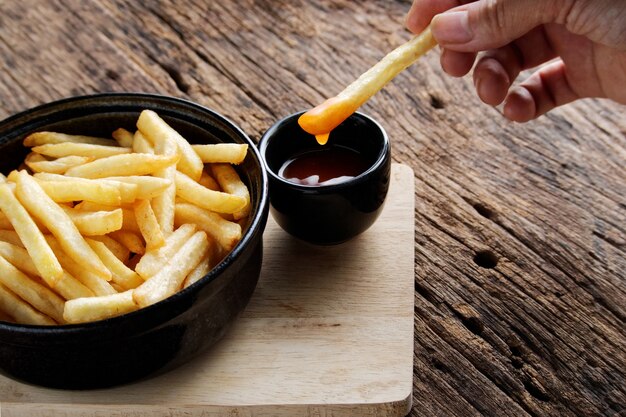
[484, 25]
[541, 92]
[455, 63]
[422, 12]
[492, 78]
[497, 69]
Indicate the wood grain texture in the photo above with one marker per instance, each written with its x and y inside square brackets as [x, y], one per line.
[520, 236]
[329, 331]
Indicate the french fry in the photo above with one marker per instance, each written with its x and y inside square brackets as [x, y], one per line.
[5, 316]
[231, 183]
[98, 308]
[320, 120]
[224, 232]
[122, 165]
[30, 235]
[147, 187]
[19, 257]
[60, 150]
[153, 261]
[93, 281]
[43, 138]
[130, 240]
[20, 310]
[198, 272]
[11, 236]
[35, 200]
[209, 182]
[58, 166]
[123, 137]
[66, 286]
[118, 249]
[232, 153]
[121, 274]
[5, 224]
[96, 223]
[67, 191]
[149, 225]
[170, 278]
[3, 178]
[94, 190]
[129, 223]
[217, 201]
[163, 204]
[156, 130]
[35, 294]
[141, 144]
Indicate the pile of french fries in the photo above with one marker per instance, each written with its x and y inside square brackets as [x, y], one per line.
[92, 228]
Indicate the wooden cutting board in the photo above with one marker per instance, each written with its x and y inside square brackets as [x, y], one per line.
[328, 332]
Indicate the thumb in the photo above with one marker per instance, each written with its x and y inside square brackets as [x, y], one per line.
[489, 24]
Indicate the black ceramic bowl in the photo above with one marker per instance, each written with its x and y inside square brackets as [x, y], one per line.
[327, 214]
[164, 335]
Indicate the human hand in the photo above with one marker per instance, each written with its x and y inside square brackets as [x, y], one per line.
[584, 40]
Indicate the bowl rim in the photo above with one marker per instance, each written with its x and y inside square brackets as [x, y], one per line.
[383, 155]
[255, 227]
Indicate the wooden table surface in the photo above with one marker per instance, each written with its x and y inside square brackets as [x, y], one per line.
[520, 230]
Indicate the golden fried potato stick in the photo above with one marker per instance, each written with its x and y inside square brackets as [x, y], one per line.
[147, 187]
[148, 224]
[233, 153]
[37, 163]
[85, 189]
[164, 144]
[123, 137]
[42, 138]
[157, 130]
[198, 272]
[65, 191]
[60, 150]
[96, 223]
[141, 144]
[98, 308]
[224, 232]
[30, 235]
[217, 201]
[320, 120]
[132, 241]
[11, 236]
[122, 165]
[231, 183]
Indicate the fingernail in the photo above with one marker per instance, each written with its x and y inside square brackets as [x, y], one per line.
[452, 28]
[477, 86]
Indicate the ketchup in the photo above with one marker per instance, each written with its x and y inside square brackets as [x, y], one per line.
[326, 166]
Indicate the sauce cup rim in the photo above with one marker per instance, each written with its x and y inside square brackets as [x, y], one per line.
[362, 177]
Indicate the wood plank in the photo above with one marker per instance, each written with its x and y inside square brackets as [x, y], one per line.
[329, 330]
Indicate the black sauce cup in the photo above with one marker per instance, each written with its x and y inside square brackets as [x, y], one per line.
[327, 214]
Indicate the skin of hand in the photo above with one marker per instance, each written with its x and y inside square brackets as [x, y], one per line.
[578, 45]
